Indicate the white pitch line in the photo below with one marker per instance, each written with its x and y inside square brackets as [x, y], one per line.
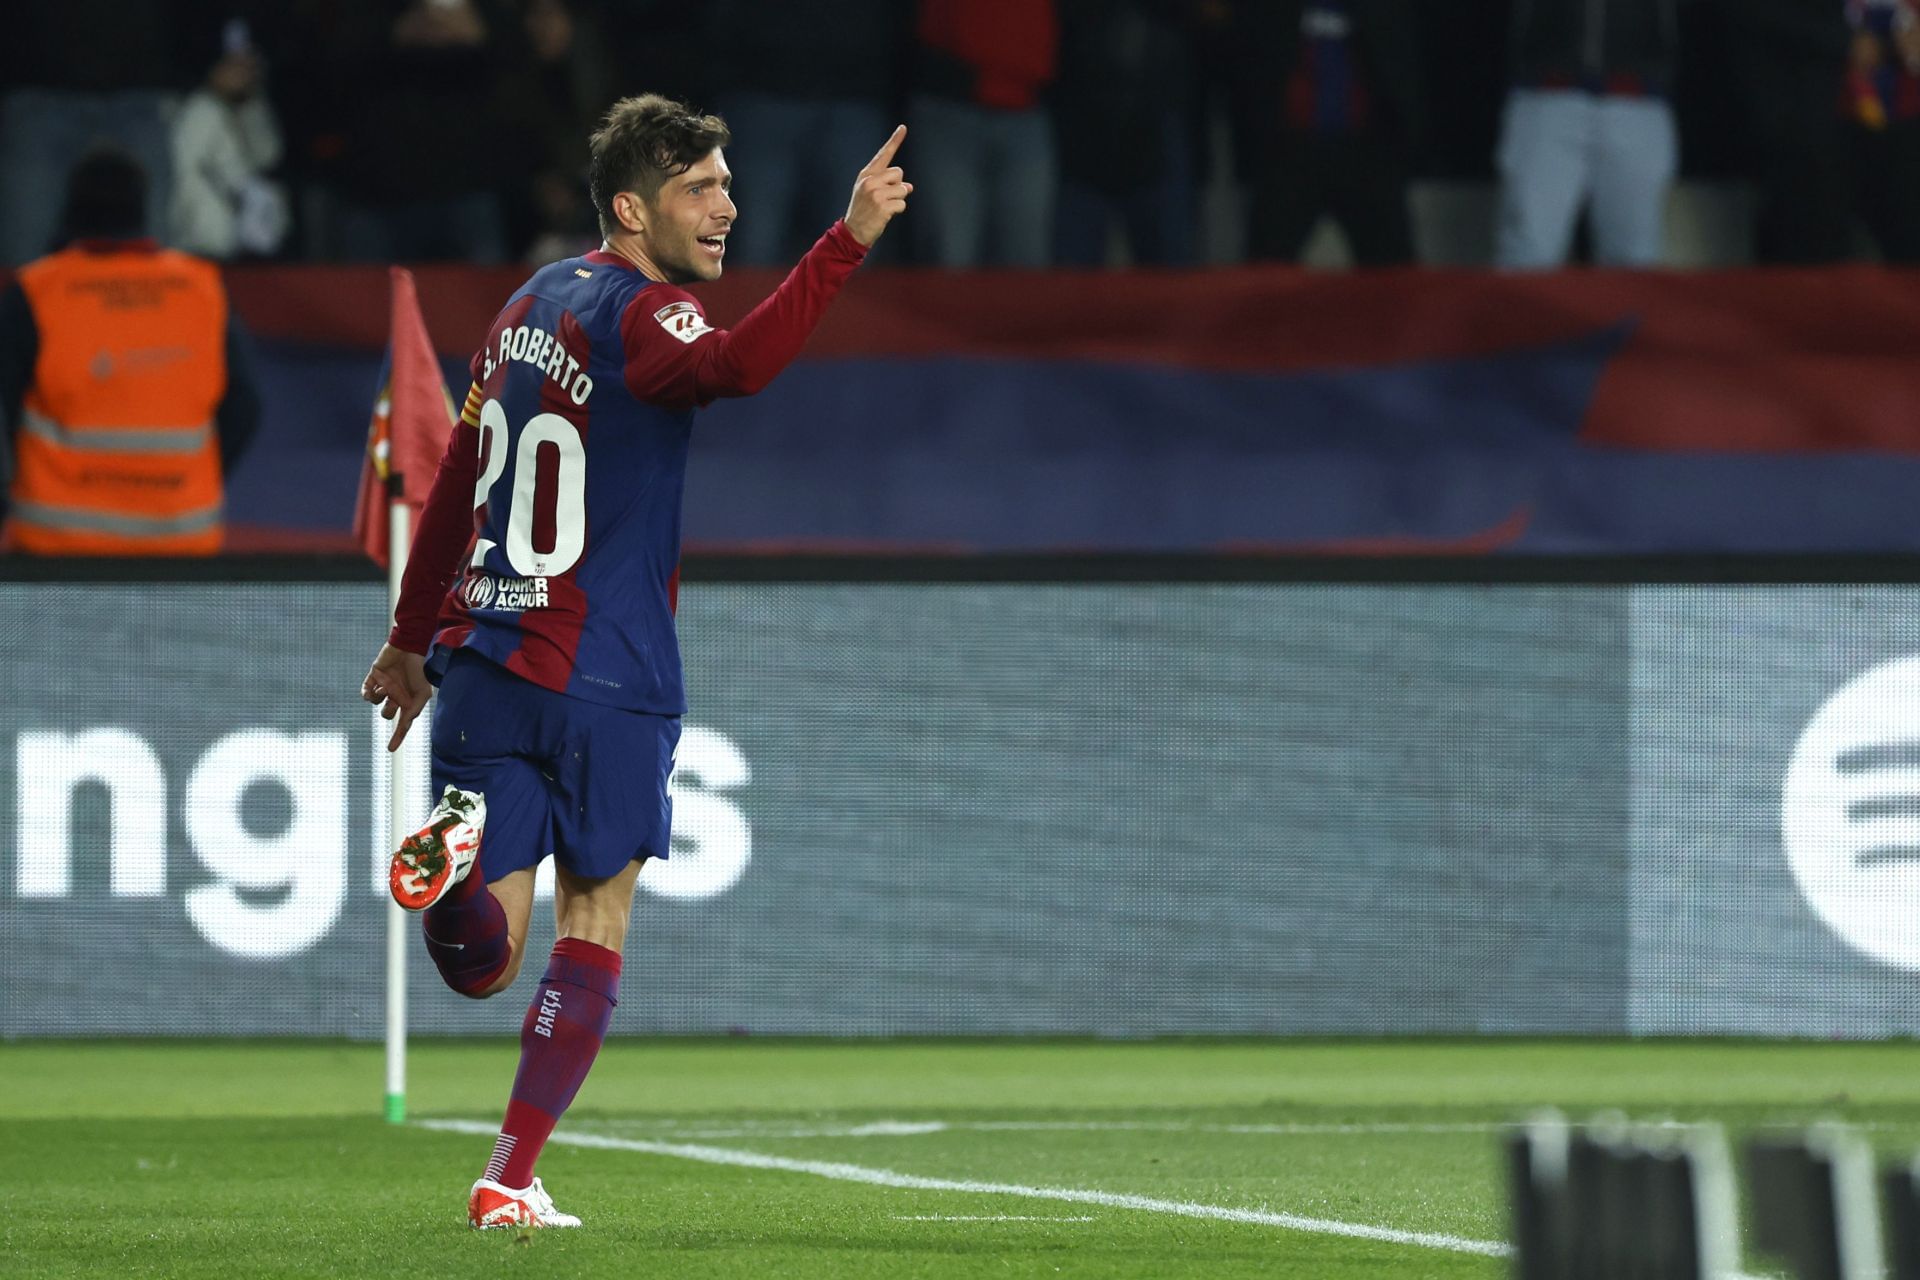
[1070, 1195]
[985, 1217]
[1159, 1126]
[910, 1128]
[877, 1129]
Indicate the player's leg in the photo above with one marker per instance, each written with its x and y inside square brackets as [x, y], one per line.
[566, 1024]
[514, 893]
[615, 813]
[492, 826]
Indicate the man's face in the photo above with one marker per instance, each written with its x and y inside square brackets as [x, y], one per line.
[688, 221]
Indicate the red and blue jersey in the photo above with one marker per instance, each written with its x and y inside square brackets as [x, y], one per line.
[550, 542]
[577, 503]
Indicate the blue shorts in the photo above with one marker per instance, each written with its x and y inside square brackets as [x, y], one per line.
[584, 782]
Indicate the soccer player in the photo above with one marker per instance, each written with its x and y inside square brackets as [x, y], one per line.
[540, 594]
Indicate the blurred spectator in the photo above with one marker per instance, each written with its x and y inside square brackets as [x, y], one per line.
[562, 87]
[665, 47]
[225, 140]
[1333, 88]
[809, 102]
[422, 127]
[125, 391]
[980, 143]
[80, 72]
[1884, 118]
[1122, 119]
[1589, 124]
[1791, 58]
[564, 224]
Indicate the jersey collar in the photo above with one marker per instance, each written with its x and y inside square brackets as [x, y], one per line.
[606, 258]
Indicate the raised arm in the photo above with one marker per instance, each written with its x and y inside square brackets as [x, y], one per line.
[675, 362]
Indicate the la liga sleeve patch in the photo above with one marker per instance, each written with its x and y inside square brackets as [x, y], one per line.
[683, 320]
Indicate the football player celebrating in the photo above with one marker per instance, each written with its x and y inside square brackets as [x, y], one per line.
[540, 593]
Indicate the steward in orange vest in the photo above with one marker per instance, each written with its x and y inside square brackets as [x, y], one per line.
[125, 391]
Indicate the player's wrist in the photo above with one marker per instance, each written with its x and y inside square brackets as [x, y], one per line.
[842, 236]
[410, 642]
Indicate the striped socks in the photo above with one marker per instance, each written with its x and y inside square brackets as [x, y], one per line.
[559, 1039]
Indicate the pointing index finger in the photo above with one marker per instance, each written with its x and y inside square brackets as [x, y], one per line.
[884, 157]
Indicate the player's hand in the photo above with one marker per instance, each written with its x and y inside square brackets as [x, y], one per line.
[879, 192]
[397, 684]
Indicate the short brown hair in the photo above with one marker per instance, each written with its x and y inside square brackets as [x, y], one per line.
[643, 142]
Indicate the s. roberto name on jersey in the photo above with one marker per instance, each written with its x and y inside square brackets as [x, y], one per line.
[533, 345]
[503, 595]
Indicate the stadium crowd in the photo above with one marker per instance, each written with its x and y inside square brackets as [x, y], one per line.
[1068, 132]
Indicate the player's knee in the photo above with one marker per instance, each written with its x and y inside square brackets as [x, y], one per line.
[481, 986]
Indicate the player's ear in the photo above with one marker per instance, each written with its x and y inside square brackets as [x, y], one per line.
[631, 210]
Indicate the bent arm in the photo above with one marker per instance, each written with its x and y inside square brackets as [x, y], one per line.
[444, 533]
[665, 369]
[746, 358]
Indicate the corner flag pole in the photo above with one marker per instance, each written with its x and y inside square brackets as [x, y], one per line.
[411, 416]
[401, 787]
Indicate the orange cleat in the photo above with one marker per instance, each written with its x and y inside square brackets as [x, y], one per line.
[492, 1205]
[438, 856]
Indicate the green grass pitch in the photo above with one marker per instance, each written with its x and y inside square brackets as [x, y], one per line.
[764, 1159]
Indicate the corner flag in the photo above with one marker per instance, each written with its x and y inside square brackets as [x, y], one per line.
[412, 415]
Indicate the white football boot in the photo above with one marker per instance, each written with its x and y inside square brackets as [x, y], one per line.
[492, 1205]
[438, 856]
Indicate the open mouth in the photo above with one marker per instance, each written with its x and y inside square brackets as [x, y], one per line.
[715, 246]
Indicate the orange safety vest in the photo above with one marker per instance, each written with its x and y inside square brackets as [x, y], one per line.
[116, 451]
